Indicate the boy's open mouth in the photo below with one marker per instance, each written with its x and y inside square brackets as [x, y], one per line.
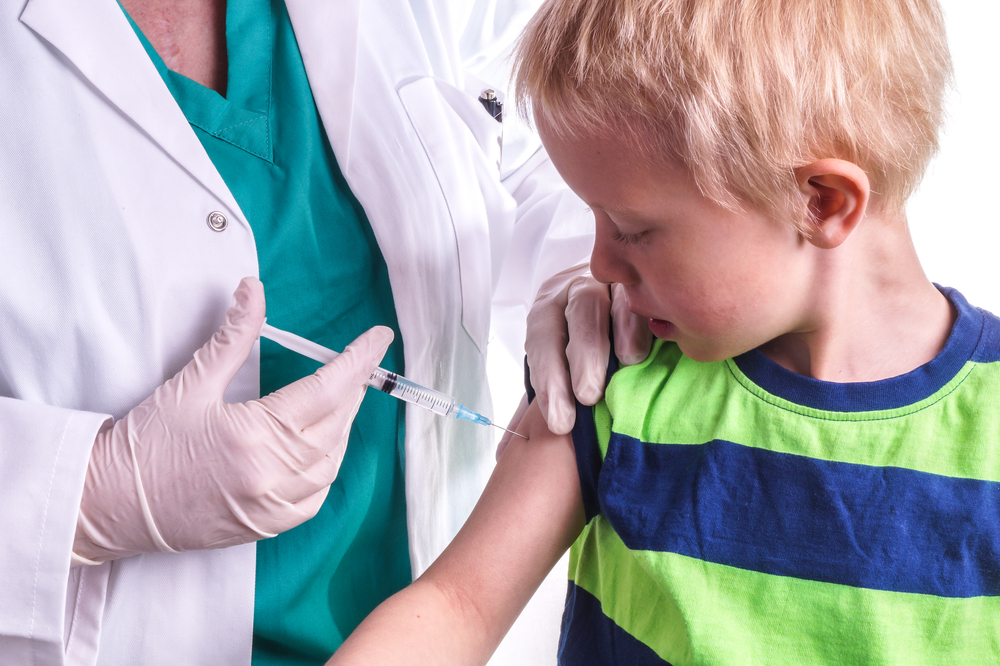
[661, 329]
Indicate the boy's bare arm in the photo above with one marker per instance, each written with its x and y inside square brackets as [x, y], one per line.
[460, 609]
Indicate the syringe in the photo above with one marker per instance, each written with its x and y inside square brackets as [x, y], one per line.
[383, 380]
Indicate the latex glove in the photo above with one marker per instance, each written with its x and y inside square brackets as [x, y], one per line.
[567, 342]
[184, 470]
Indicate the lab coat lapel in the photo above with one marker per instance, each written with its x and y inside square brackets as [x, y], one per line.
[95, 36]
[327, 34]
[374, 77]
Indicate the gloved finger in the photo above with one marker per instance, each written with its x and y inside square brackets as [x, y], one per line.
[545, 347]
[308, 400]
[519, 413]
[633, 339]
[587, 318]
[283, 514]
[296, 487]
[300, 450]
[330, 434]
[261, 525]
[308, 507]
[326, 469]
[218, 361]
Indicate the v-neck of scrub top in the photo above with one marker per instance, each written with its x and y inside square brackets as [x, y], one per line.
[324, 279]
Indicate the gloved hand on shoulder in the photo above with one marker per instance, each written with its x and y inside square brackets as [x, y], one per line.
[568, 343]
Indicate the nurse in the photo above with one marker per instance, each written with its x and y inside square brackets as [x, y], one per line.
[157, 153]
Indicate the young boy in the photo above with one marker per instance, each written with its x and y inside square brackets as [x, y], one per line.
[805, 470]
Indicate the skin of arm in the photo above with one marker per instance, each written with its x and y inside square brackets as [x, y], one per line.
[460, 608]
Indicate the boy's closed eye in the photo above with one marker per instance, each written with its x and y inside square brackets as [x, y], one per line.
[627, 239]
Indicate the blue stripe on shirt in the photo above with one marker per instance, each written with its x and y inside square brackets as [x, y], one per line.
[590, 637]
[588, 458]
[883, 528]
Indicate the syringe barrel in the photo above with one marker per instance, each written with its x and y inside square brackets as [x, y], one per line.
[404, 389]
[381, 379]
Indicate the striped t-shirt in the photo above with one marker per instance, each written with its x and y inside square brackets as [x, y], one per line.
[739, 513]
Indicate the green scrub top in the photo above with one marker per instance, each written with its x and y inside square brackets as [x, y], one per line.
[324, 279]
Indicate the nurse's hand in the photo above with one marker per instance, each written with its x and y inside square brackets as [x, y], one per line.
[567, 342]
[184, 470]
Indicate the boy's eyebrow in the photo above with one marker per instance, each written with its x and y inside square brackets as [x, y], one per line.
[619, 211]
[591, 205]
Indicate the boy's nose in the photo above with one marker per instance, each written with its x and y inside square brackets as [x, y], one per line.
[607, 263]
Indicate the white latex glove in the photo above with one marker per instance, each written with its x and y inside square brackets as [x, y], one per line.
[567, 342]
[184, 470]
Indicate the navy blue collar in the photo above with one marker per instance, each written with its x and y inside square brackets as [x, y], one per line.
[891, 393]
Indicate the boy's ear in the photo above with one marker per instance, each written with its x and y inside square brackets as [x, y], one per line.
[838, 193]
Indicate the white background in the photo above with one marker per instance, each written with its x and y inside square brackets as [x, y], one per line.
[954, 216]
[955, 222]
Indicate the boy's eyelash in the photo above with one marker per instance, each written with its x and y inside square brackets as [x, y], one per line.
[627, 239]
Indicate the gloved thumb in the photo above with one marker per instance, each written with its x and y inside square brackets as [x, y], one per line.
[360, 357]
[216, 363]
[332, 394]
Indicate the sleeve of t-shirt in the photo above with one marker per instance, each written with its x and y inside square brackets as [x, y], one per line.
[588, 451]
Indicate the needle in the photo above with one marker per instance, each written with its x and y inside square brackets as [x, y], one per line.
[508, 430]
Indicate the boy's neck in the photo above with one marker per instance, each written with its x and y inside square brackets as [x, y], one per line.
[872, 312]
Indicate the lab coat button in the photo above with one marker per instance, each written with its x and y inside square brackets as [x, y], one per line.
[217, 221]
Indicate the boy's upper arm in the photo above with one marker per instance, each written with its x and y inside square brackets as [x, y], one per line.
[528, 516]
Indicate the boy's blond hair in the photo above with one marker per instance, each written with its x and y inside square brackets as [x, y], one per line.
[742, 92]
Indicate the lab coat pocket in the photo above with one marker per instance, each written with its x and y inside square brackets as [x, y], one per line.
[462, 144]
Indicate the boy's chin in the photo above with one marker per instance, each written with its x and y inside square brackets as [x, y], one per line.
[704, 353]
[698, 349]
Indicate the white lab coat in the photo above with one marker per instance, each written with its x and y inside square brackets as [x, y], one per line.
[110, 278]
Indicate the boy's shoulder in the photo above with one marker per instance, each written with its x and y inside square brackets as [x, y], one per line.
[665, 366]
[987, 349]
[975, 335]
[667, 384]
